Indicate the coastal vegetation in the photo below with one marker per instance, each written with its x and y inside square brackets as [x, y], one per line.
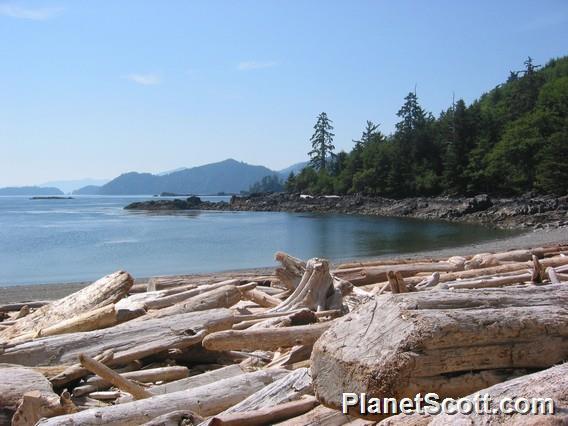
[510, 141]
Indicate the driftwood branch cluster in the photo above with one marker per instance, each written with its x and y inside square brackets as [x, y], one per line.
[238, 349]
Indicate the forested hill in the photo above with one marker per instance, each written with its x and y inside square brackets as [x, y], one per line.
[512, 140]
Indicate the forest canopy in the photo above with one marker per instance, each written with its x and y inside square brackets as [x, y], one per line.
[512, 140]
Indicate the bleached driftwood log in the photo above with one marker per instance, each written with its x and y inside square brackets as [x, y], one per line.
[113, 377]
[129, 341]
[205, 400]
[192, 382]
[376, 274]
[264, 338]
[264, 416]
[292, 270]
[451, 343]
[222, 297]
[96, 319]
[15, 382]
[173, 299]
[161, 374]
[551, 383]
[101, 293]
[312, 291]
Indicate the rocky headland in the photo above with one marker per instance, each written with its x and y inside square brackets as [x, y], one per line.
[527, 212]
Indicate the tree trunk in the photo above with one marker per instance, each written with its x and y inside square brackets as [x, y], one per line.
[267, 339]
[452, 343]
[101, 293]
[205, 400]
[129, 341]
[312, 291]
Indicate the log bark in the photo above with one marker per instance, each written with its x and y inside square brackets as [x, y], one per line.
[312, 291]
[550, 383]
[205, 400]
[264, 416]
[264, 338]
[162, 374]
[129, 341]
[101, 293]
[192, 382]
[113, 377]
[443, 342]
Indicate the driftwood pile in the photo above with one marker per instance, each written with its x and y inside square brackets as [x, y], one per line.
[235, 349]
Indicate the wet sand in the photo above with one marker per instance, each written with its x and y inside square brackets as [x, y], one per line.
[536, 238]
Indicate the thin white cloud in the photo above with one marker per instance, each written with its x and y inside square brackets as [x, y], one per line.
[144, 79]
[255, 65]
[32, 14]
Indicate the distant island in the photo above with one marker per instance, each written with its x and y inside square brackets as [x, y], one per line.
[225, 177]
[50, 197]
[30, 191]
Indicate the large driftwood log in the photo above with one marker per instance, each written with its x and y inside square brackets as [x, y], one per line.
[551, 383]
[103, 292]
[205, 400]
[129, 341]
[264, 338]
[319, 416]
[312, 291]
[451, 343]
[15, 382]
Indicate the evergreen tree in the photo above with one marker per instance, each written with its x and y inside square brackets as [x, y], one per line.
[322, 142]
[371, 129]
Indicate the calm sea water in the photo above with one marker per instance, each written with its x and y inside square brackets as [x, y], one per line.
[49, 241]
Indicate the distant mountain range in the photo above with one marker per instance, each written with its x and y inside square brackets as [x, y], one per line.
[30, 190]
[229, 176]
[68, 186]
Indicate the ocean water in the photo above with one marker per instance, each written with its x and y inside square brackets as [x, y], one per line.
[57, 241]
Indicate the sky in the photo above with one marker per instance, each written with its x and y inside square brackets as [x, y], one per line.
[98, 88]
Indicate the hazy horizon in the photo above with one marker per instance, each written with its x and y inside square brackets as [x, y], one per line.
[99, 89]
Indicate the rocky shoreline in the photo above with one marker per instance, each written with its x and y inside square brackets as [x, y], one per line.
[528, 212]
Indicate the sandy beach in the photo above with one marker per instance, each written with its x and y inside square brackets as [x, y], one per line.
[535, 238]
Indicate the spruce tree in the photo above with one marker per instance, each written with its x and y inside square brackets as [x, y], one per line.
[322, 142]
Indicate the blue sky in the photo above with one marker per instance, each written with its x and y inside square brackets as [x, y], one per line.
[96, 88]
